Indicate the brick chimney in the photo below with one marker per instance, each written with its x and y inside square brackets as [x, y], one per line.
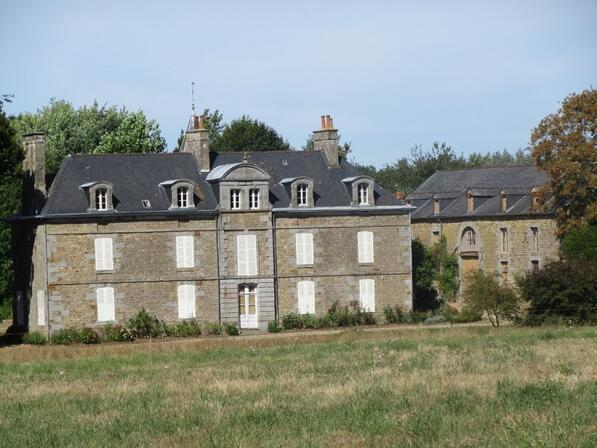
[400, 195]
[34, 167]
[196, 142]
[326, 141]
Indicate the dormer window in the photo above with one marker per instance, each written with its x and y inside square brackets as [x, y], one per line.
[363, 191]
[435, 205]
[470, 203]
[101, 199]
[182, 197]
[302, 191]
[503, 202]
[235, 199]
[254, 198]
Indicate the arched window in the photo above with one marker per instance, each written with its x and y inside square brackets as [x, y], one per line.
[302, 198]
[363, 192]
[101, 199]
[468, 241]
[182, 197]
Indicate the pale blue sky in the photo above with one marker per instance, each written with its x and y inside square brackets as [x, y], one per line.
[477, 75]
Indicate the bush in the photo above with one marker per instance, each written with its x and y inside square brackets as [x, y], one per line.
[88, 336]
[393, 314]
[70, 336]
[484, 295]
[562, 291]
[34, 338]
[186, 328]
[273, 327]
[145, 325]
[454, 316]
[118, 333]
[213, 328]
[5, 310]
[292, 321]
[435, 319]
[231, 329]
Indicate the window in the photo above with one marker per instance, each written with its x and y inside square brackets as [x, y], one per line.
[363, 191]
[469, 239]
[185, 253]
[436, 206]
[186, 302]
[302, 190]
[235, 199]
[535, 239]
[367, 294]
[105, 304]
[470, 203]
[101, 199]
[306, 297]
[504, 233]
[246, 254]
[247, 306]
[41, 308]
[146, 203]
[182, 197]
[104, 260]
[504, 272]
[435, 237]
[535, 265]
[365, 243]
[304, 248]
[254, 198]
[503, 202]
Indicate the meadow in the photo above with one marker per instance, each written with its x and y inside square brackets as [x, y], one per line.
[461, 386]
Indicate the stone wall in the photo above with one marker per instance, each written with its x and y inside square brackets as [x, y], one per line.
[336, 271]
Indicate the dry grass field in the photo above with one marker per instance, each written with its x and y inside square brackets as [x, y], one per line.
[462, 386]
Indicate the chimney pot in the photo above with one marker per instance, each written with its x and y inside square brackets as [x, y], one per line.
[327, 122]
[323, 122]
[201, 122]
[400, 195]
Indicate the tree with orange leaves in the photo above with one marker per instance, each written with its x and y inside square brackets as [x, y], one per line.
[564, 145]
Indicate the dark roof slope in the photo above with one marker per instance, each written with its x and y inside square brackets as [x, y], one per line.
[485, 184]
[137, 177]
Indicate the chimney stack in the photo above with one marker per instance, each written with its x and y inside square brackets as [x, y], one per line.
[196, 142]
[326, 141]
[34, 166]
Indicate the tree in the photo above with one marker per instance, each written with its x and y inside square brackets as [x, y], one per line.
[247, 134]
[89, 129]
[213, 122]
[11, 157]
[446, 271]
[564, 144]
[580, 244]
[423, 268]
[344, 149]
[484, 295]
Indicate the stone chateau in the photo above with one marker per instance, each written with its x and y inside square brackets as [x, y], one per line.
[490, 217]
[224, 237]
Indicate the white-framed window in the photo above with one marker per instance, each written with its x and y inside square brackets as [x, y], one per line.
[182, 197]
[367, 294]
[365, 243]
[101, 199]
[187, 304]
[253, 198]
[302, 191]
[185, 251]
[363, 191]
[306, 297]
[246, 254]
[248, 304]
[41, 308]
[105, 304]
[535, 239]
[504, 233]
[235, 199]
[304, 248]
[104, 258]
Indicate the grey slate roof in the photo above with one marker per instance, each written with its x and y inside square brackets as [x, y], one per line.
[486, 184]
[137, 177]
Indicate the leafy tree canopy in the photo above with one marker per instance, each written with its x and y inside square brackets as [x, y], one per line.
[247, 134]
[564, 144]
[580, 244]
[89, 129]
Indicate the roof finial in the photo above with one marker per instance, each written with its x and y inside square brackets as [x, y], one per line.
[193, 96]
[246, 156]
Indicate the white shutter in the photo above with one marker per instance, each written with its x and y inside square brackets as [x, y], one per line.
[306, 297]
[365, 247]
[241, 255]
[41, 308]
[304, 248]
[185, 253]
[103, 254]
[367, 294]
[179, 251]
[186, 302]
[105, 304]
[252, 254]
[109, 259]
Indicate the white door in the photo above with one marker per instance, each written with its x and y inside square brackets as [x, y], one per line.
[248, 306]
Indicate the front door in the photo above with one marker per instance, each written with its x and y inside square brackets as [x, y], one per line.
[247, 299]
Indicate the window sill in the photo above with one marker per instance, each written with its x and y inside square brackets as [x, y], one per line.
[309, 265]
[105, 322]
[106, 271]
[189, 268]
[367, 263]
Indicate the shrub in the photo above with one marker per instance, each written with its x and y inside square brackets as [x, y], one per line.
[34, 338]
[393, 314]
[66, 336]
[213, 328]
[435, 319]
[454, 316]
[416, 317]
[562, 291]
[189, 327]
[88, 336]
[145, 325]
[118, 333]
[292, 321]
[273, 327]
[484, 295]
[231, 329]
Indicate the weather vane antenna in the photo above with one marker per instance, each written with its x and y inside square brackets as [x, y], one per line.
[193, 96]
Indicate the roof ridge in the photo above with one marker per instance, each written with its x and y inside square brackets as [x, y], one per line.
[488, 167]
[128, 154]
